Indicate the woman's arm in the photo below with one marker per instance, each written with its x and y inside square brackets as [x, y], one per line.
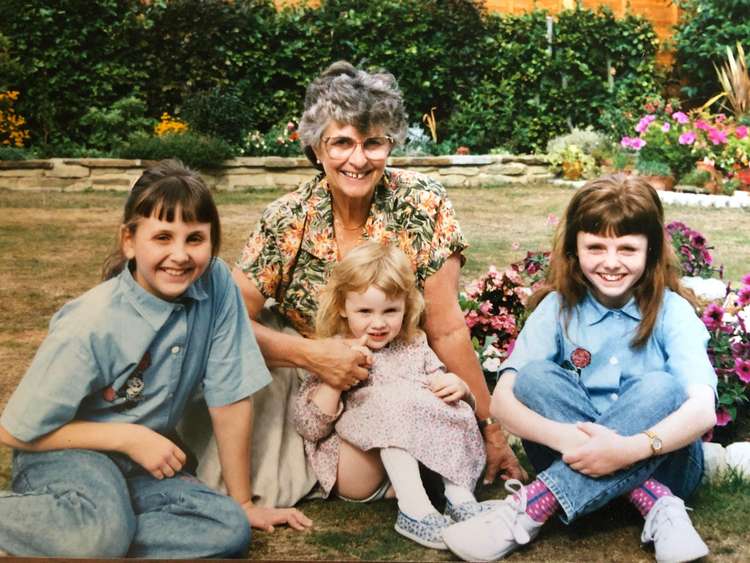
[448, 336]
[233, 427]
[316, 409]
[155, 453]
[606, 451]
[333, 360]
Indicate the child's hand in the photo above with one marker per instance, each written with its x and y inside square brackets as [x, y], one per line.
[605, 452]
[449, 387]
[264, 518]
[155, 453]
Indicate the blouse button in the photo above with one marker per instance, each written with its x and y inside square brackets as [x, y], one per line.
[614, 361]
[613, 396]
[175, 349]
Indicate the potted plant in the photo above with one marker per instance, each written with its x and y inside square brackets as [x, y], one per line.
[572, 163]
[656, 173]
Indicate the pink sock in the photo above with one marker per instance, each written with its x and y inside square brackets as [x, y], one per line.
[646, 494]
[541, 503]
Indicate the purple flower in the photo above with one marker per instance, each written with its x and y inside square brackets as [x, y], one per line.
[742, 369]
[687, 138]
[666, 127]
[712, 316]
[701, 124]
[746, 279]
[680, 117]
[644, 123]
[698, 240]
[723, 417]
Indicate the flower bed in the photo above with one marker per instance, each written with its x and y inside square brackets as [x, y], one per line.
[495, 310]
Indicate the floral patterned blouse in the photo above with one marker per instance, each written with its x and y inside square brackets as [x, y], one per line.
[292, 250]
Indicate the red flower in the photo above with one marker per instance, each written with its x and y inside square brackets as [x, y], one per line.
[109, 394]
[580, 358]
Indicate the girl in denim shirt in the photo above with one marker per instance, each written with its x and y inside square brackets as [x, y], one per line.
[609, 383]
[98, 470]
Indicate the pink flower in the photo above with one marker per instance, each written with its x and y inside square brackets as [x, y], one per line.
[290, 126]
[743, 296]
[635, 143]
[746, 279]
[741, 131]
[723, 417]
[742, 369]
[720, 117]
[700, 124]
[580, 358]
[687, 138]
[680, 117]
[485, 307]
[712, 316]
[717, 137]
[552, 219]
[666, 127]
[644, 123]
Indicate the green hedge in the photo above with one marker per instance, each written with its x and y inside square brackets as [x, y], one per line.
[233, 67]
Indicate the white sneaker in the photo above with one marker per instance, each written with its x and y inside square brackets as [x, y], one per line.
[492, 535]
[668, 526]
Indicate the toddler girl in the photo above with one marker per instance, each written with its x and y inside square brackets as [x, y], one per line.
[609, 383]
[98, 470]
[409, 409]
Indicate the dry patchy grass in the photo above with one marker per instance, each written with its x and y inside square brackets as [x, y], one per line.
[52, 247]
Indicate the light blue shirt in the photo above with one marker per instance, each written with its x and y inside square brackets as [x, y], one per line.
[677, 344]
[117, 353]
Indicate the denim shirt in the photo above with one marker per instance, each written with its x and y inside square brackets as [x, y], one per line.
[677, 344]
[118, 353]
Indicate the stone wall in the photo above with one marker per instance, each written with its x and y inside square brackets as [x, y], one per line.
[75, 174]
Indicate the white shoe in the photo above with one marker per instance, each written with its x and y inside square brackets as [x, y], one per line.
[668, 526]
[492, 535]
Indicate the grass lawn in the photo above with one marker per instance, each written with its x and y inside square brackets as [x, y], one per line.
[52, 247]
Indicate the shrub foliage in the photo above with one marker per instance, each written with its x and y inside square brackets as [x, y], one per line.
[229, 68]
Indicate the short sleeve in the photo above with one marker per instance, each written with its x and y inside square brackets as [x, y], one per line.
[261, 258]
[432, 364]
[235, 367]
[447, 238]
[310, 422]
[63, 372]
[685, 340]
[539, 338]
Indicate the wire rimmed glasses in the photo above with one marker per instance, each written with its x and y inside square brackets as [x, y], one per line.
[374, 148]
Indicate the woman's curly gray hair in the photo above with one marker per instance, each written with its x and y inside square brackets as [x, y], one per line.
[351, 96]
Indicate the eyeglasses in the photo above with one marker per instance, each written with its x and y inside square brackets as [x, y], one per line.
[375, 148]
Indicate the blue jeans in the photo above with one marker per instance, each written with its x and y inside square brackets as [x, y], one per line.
[557, 394]
[82, 503]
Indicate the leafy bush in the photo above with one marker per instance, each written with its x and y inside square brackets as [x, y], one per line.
[198, 151]
[110, 127]
[220, 112]
[281, 140]
[706, 29]
[13, 153]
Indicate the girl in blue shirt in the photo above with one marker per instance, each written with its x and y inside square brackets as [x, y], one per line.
[609, 383]
[98, 469]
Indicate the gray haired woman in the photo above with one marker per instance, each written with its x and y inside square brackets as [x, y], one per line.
[352, 120]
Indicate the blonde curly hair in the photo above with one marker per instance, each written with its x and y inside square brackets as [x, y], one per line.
[370, 264]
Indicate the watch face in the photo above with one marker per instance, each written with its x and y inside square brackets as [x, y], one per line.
[656, 444]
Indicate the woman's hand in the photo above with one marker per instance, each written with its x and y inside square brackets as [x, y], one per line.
[500, 457]
[265, 518]
[603, 453]
[152, 451]
[449, 387]
[341, 363]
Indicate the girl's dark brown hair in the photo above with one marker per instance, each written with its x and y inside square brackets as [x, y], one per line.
[161, 191]
[617, 205]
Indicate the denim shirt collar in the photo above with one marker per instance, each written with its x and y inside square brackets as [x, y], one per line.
[154, 310]
[594, 312]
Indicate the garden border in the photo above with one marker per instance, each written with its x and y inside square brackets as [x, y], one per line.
[78, 174]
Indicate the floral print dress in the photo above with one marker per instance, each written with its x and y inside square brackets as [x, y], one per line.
[292, 250]
[394, 407]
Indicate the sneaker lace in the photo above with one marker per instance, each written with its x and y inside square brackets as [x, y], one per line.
[665, 514]
[507, 514]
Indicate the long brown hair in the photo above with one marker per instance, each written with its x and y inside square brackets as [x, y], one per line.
[161, 190]
[369, 264]
[616, 205]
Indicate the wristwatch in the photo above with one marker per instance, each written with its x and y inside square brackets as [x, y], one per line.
[656, 443]
[485, 422]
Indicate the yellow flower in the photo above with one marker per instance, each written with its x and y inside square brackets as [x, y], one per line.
[170, 126]
[12, 131]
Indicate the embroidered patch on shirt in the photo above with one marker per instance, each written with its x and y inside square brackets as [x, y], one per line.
[132, 391]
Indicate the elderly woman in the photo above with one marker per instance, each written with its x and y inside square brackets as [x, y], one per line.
[352, 120]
